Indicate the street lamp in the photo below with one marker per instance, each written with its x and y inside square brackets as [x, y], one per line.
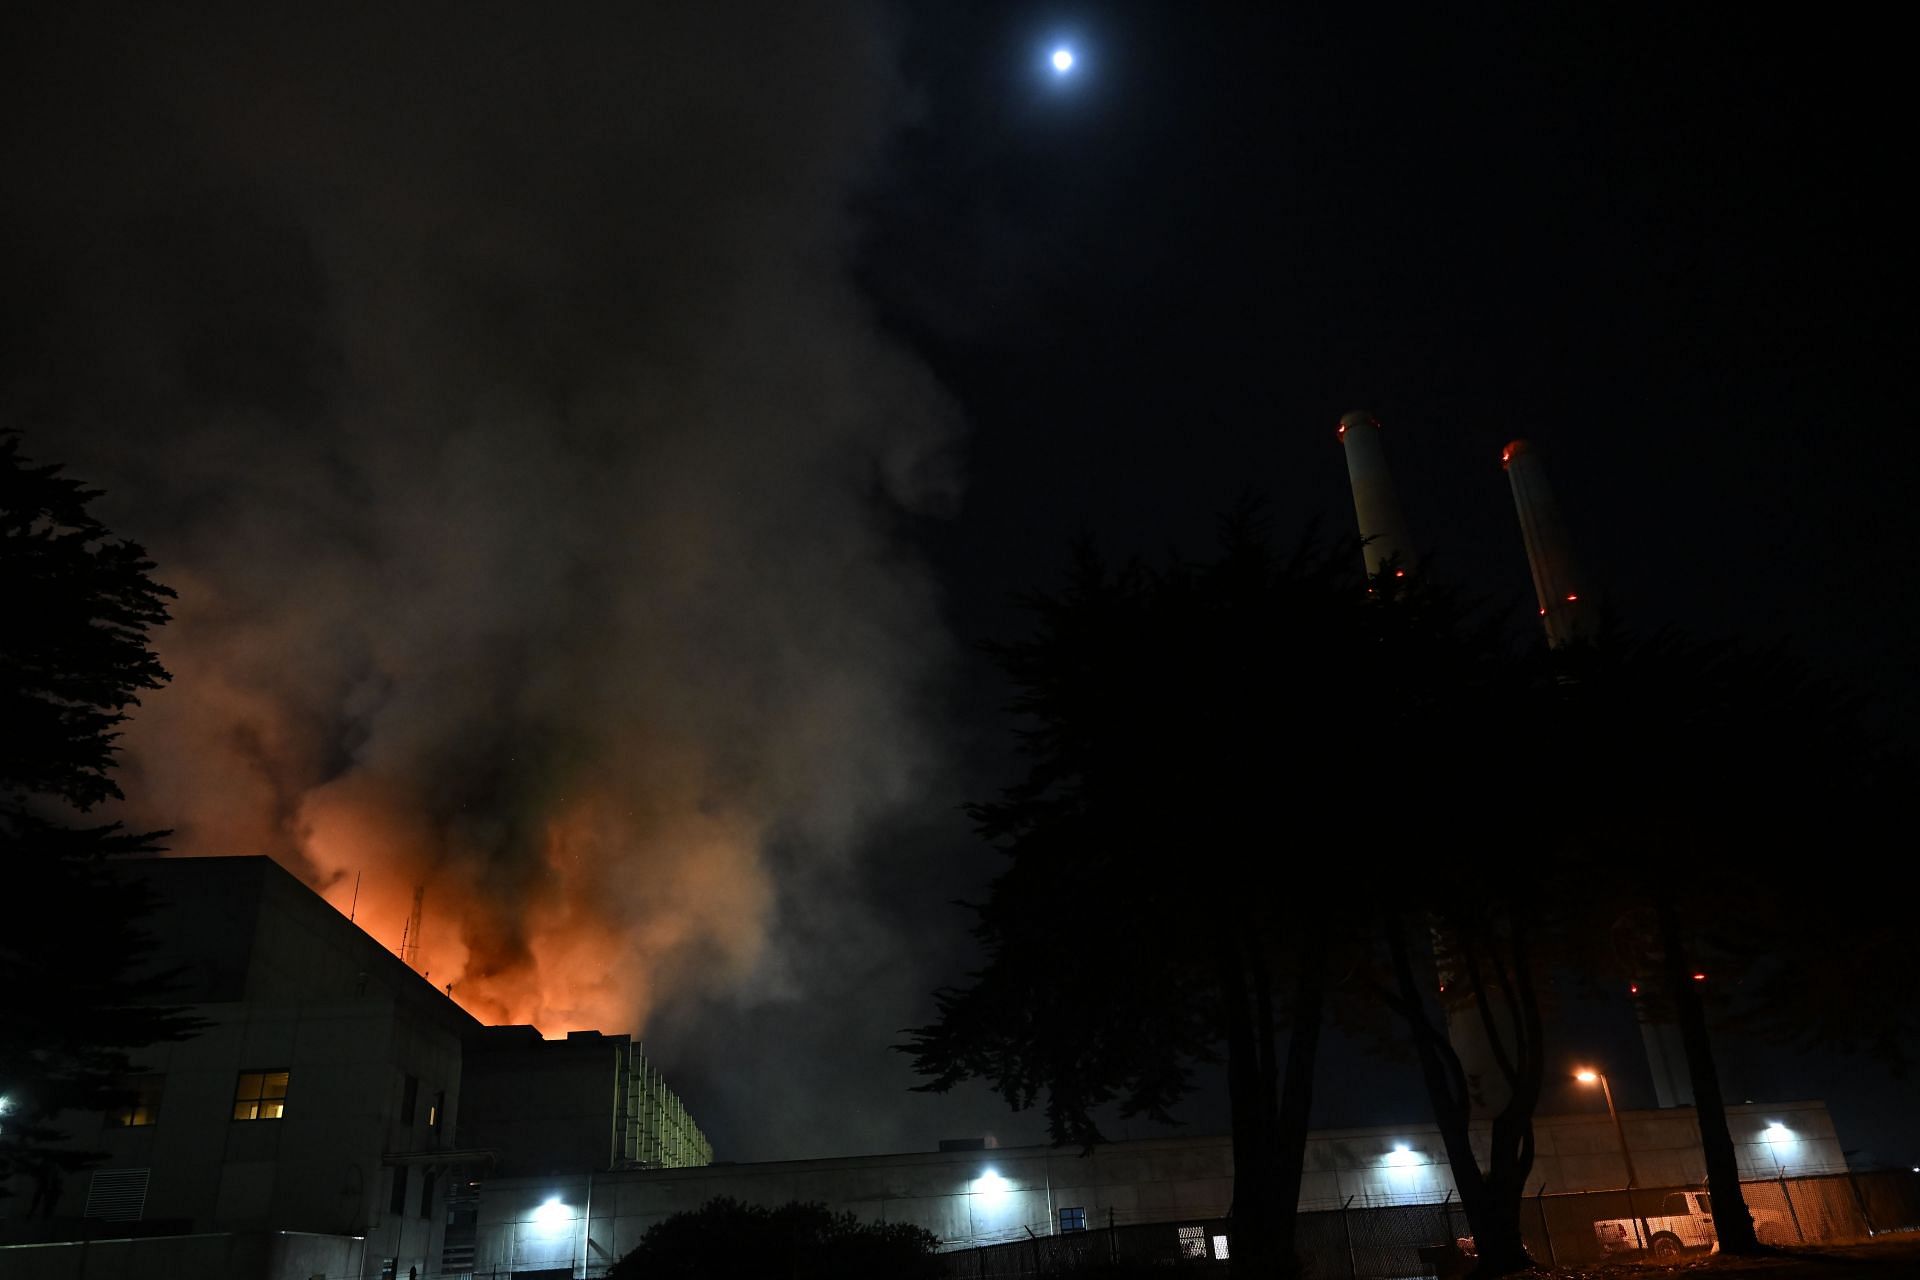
[1587, 1075]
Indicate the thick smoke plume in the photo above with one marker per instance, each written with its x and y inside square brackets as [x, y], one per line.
[488, 380]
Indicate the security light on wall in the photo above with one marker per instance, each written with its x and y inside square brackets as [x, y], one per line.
[990, 1187]
[552, 1216]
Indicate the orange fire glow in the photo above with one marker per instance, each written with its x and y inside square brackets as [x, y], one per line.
[613, 904]
[584, 944]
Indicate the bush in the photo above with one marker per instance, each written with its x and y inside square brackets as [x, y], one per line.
[724, 1239]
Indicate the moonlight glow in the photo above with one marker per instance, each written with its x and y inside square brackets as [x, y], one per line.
[1063, 60]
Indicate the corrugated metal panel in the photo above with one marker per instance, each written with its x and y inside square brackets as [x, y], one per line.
[117, 1195]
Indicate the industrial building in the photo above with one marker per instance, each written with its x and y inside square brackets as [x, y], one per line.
[322, 1123]
[577, 1226]
[342, 1117]
[542, 1104]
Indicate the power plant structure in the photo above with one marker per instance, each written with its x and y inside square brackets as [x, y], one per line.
[1565, 602]
[1385, 544]
[1376, 503]
[1563, 599]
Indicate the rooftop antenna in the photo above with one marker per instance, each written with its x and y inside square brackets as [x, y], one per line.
[410, 935]
[354, 909]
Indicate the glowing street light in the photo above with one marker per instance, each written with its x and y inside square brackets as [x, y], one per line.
[1588, 1075]
[1062, 60]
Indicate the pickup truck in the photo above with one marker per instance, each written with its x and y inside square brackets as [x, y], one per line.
[1684, 1222]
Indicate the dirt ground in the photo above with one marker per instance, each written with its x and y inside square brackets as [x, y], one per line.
[1883, 1259]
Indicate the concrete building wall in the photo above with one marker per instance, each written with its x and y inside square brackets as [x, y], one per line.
[279, 1253]
[544, 1105]
[285, 984]
[587, 1102]
[980, 1197]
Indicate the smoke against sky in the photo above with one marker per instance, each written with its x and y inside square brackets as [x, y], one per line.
[546, 503]
[494, 393]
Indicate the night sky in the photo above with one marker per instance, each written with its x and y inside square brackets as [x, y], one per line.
[590, 447]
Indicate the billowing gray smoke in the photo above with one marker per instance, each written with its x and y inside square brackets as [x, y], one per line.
[488, 380]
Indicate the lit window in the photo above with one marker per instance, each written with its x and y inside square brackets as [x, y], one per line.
[1220, 1248]
[141, 1105]
[437, 1110]
[1193, 1242]
[1074, 1219]
[261, 1095]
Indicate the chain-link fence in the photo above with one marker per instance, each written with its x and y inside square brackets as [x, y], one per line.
[1401, 1242]
[1125, 1245]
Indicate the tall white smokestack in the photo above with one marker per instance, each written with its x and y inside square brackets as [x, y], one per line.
[1375, 503]
[1558, 585]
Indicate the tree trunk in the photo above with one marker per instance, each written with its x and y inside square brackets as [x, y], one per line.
[1731, 1220]
[1496, 1233]
[1440, 1069]
[1520, 1061]
[1497, 1239]
[1491, 1197]
[1296, 1089]
[1256, 1227]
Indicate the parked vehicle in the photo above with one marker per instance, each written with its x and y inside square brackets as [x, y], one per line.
[1685, 1222]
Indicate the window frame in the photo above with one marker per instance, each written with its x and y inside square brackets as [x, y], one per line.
[147, 1091]
[260, 1099]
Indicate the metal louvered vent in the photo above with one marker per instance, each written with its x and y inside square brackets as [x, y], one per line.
[117, 1195]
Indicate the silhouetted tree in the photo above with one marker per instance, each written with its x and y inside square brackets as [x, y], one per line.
[1208, 796]
[78, 608]
[1465, 891]
[794, 1242]
[1710, 777]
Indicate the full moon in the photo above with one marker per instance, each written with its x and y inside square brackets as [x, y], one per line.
[1063, 59]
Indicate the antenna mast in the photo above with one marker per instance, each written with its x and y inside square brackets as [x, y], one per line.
[410, 935]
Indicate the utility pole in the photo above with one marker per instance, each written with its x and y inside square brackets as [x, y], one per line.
[1587, 1075]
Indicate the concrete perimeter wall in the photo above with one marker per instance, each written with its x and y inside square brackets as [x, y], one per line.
[972, 1198]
